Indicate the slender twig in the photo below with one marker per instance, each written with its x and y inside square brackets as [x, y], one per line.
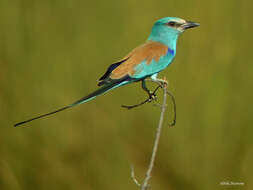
[134, 178]
[173, 123]
[161, 84]
[148, 100]
[145, 184]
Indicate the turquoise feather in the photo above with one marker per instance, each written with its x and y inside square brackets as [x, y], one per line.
[164, 34]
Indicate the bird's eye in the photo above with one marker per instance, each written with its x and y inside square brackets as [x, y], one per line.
[172, 23]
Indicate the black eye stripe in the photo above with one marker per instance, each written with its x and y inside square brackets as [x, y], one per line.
[173, 24]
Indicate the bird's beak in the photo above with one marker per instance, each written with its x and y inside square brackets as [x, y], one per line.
[190, 24]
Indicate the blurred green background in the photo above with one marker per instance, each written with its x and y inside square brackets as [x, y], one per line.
[53, 52]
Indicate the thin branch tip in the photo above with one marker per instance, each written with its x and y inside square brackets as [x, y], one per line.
[133, 177]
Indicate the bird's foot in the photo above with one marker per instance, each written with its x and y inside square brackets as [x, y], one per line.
[161, 82]
[152, 96]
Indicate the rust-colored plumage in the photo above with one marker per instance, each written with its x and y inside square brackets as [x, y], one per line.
[149, 51]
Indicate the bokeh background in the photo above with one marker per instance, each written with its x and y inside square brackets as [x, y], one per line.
[53, 52]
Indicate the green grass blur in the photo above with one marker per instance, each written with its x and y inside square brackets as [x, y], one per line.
[53, 52]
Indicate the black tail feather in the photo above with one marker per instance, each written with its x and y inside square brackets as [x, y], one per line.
[40, 116]
[87, 98]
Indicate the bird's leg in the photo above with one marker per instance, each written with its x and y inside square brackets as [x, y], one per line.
[152, 96]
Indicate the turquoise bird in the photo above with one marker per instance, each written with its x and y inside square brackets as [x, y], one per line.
[145, 61]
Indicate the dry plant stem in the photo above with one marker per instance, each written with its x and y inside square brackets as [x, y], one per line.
[145, 184]
[133, 177]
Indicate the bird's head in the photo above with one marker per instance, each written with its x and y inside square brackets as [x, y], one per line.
[174, 24]
[169, 28]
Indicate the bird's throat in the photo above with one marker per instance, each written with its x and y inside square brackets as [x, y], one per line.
[165, 36]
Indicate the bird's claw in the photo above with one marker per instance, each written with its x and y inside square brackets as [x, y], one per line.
[152, 96]
[160, 82]
[163, 82]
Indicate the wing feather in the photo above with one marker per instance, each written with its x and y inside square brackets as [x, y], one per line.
[149, 51]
